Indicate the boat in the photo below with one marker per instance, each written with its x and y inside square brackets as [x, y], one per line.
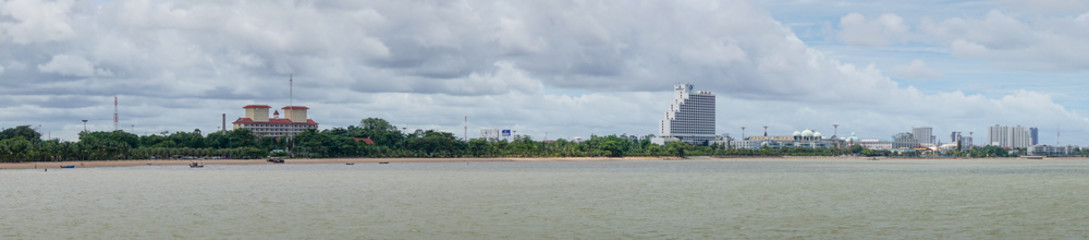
[195, 165]
[1034, 157]
[68, 166]
[351, 163]
[275, 160]
[383, 162]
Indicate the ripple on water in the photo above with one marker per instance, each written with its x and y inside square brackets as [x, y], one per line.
[647, 199]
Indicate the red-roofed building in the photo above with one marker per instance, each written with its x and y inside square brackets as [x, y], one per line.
[257, 120]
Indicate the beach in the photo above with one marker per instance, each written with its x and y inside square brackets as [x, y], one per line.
[169, 162]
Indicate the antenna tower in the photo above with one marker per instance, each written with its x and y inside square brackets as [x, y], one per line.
[291, 102]
[115, 113]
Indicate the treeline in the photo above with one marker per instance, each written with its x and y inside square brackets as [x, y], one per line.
[24, 144]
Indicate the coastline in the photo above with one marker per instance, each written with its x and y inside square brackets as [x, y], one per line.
[182, 162]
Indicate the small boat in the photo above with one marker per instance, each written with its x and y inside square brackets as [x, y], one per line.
[351, 163]
[68, 166]
[275, 160]
[1034, 157]
[383, 162]
[195, 165]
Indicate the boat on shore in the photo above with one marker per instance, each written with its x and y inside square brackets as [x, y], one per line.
[195, 165]
[383, 162]
[68, 166]
[351, 163]
[1034, 157]
[276, 160]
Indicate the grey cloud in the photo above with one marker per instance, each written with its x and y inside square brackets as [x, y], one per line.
[565, 67]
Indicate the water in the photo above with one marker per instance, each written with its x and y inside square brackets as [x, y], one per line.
[1005, 199]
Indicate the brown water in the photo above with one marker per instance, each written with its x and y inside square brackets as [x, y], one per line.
[1004, 199]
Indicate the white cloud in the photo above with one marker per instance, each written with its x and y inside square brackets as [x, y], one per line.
[36, 20]
[917, 70]
[1048, 44]
[569, 68]
[68, 65]
[856, 30]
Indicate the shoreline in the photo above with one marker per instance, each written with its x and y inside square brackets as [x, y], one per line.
[183, 162]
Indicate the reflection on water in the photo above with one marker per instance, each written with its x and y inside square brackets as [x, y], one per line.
[642, 199]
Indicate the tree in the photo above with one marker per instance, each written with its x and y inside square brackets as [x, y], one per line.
[21, 131]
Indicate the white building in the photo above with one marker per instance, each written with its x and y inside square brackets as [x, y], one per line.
[803, 139]
[1009, 136]
[923, 135]
[691, 117]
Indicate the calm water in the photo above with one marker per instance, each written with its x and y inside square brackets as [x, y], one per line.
[1009, 199]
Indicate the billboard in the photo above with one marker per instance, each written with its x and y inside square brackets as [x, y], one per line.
[506, 132]
[489, 133]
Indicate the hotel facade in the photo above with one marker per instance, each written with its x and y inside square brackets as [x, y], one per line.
[257, 120]
[690, 118]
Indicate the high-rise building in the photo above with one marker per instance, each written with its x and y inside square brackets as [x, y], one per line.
[923, 134]
[1009, 136]
[691, 116]
[958, 139]
[257, 120]
[1034, 133]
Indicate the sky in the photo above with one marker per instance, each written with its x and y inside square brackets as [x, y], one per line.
[550, 69]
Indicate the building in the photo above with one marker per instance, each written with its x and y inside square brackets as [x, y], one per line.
[958, 140]
[923, 135]
[1009, 136]
[1048, 150]
[691, 117]
[805, 139]
[258, 121]
[1034, 133]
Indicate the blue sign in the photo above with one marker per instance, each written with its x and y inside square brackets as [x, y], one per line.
[506, 132]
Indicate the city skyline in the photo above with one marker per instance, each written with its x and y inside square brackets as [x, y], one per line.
[566, 68]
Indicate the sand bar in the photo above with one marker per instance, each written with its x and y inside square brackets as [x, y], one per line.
[158, 162]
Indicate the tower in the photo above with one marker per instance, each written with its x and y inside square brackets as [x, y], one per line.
[115, 113]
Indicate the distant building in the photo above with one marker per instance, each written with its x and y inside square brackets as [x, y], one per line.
[958, 140]
[923, 135]
[1009, 136]
[690, 118]
[1034, 133]
[258, 121]
[806, 139]
[1047, 150]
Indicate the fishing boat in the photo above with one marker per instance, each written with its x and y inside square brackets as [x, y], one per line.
[275, 160]
[195, 165]
[68, 166]
[383, 162]
[351, 163]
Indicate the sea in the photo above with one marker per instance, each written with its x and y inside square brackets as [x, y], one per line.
[791, 198]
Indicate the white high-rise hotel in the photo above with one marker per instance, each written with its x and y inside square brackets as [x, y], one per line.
[691, 116]
[1010, 136]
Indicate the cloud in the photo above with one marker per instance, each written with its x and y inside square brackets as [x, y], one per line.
[68, 65]
[1047, 44]
[570, 68]
[917, 70]
[856, 30]
[34, 21]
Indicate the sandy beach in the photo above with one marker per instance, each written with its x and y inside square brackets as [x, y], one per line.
[157, 162]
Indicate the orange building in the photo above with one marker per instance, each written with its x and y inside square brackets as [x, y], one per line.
[258, 121]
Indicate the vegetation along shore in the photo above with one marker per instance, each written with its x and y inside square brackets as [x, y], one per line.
[372, 138]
